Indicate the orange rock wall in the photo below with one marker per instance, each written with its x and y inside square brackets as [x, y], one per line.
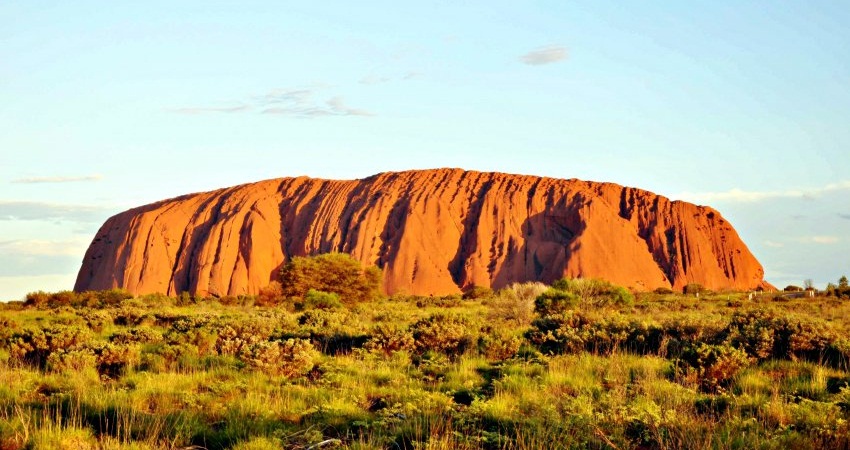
[432, 232]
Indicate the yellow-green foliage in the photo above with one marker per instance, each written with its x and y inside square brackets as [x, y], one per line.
[665, 371]
[337, 273]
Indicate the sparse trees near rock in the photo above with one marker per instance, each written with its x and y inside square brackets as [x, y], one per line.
[336, 273]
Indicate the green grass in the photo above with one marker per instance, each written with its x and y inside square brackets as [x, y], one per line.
[173, 373]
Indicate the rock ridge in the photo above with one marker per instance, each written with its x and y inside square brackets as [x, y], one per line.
[432, 232]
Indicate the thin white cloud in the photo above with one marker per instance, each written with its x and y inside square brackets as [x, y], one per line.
[544, 55]
[296, 102]
[774, 244]
[41, 247]
[825, 240]
[206, 110]
[334, 106]
[301, 96]
[374, 79]
[338, 106]
[15, 210]
[737, 195]
[33, 257]
[58, 179]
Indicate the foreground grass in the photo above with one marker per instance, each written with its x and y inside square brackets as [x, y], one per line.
[401, 373]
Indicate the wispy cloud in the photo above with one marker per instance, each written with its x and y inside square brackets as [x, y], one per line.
[332, 107]
[737, 195]
[304, 102]
[32, 257]
[819, 239]
[41, 247]
[206, 110]
[774, 244]
[14, 210]
[844, 216]
[376, 79]
[544, 55]
[58, 179]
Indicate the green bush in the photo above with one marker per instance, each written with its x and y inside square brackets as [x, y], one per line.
[33, 346]
[595, 292]
[136, 336]
[390, 338]
[314, 299]
[498, 344]
[711, 367]
[444, 333]
[289, 359]
[515, 303]
[694, 289]
[477, 293]
[555, 301]
[338, 273]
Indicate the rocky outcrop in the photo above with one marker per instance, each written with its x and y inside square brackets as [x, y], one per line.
[432, 232]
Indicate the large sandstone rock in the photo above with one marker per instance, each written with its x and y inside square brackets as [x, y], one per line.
[432, 231]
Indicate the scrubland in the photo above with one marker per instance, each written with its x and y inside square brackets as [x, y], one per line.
[582, 364]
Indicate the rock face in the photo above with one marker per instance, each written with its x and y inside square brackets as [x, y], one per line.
[432, 232]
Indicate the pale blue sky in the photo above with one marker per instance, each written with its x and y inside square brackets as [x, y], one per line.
[743, 106]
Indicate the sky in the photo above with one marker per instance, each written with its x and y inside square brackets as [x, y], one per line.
[740, 105]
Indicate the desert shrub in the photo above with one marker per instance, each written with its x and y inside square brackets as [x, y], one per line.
[314, 299]
[687, 330]
[34, 345]
[183, 324]
[333, 331]
[595, 292]
[78, 360]
[8, 327]
[271, 294]
[559, 333]
[555, 301]
[136, 336]
[754, 332]
[162, 358]
[237, 333]
[437, 301]
[390, 338]
[96, 320]
[318, 320]
[289, 359]
[711, 367]
[441, 332]
[763, 334]
[792, 288]
[113, 359]
[497, 344]
[663, 291]
[127, 316]
[477, 293]
[694, 289]
[38, 299]
[338, 273]
[515, 303]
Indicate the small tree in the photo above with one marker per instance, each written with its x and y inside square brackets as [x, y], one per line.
[693, 289]
[337, 273]
[842, 282]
